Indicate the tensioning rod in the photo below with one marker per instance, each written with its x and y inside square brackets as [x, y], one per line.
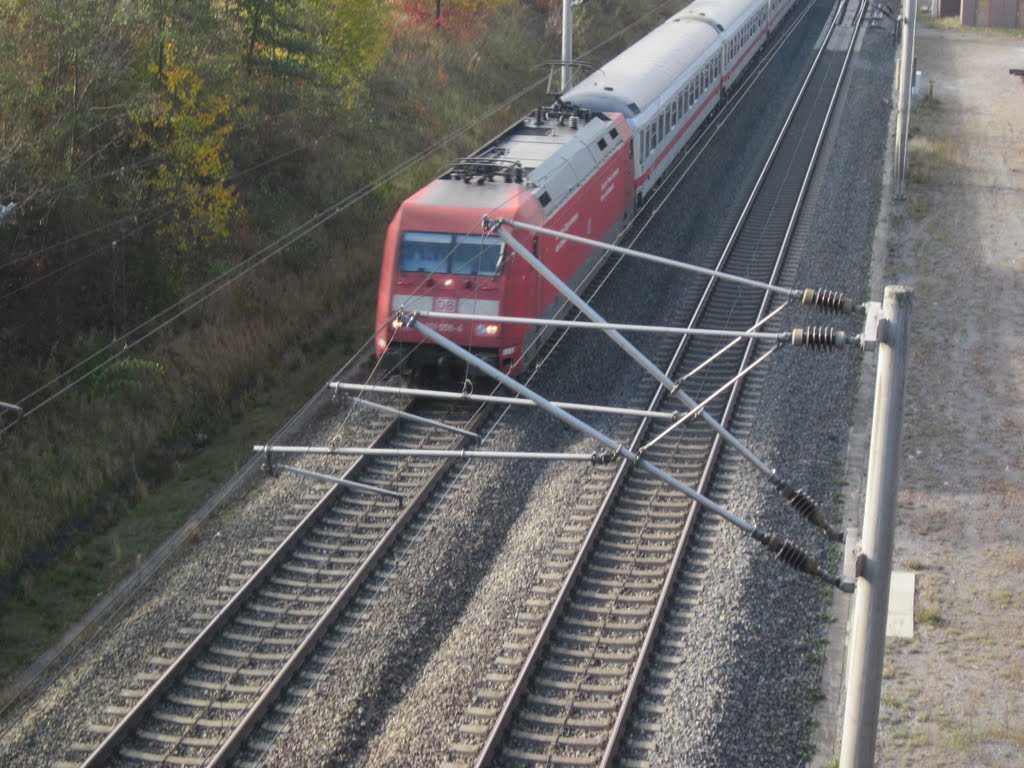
[412, 417]
[784, 550]
[437, 394]
[829, 301]
[780, 336]
[642, 360]
[795, 497]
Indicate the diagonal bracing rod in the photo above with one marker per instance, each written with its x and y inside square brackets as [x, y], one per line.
[351, 484]
[412, 417]
[795, 497]
[830, 301]
[685, 418]
[437, 394]
[783, 550]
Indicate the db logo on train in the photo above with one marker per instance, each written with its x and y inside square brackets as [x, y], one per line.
[445, 304]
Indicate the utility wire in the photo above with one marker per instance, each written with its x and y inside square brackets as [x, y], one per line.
[137, 97]
[201, 294]
[162, 213]
[164, 209]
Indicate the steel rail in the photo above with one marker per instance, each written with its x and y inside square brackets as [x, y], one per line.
[99, 617]
[502, 722]
[279, 684]
[106, 749]
[647, 650]
[207, 636]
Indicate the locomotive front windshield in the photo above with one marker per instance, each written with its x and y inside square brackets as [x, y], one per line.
[450, 254]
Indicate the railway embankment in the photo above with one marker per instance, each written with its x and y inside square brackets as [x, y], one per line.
[100, 476]
[951, 693]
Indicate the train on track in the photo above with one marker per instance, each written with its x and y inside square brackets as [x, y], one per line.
[582, 166]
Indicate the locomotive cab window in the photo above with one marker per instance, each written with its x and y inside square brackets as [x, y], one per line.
[424, 252]
[477, 255]
[446, 253]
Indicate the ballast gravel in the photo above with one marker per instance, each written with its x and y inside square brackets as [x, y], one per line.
[406, 671]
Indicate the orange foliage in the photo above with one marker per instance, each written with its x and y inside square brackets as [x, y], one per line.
[458, 18]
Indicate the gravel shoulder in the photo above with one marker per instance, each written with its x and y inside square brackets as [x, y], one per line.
[954, 694]
[951, 696]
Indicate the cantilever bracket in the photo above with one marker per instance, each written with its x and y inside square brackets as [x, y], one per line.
[12, 407]
[874, 326]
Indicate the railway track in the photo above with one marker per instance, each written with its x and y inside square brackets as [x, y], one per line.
[223, 695]
[208, 700]
[201, 699]
[562, 692]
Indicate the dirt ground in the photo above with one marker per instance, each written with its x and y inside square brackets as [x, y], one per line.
[954, 694]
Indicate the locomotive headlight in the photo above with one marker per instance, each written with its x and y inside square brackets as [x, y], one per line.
[488, 330]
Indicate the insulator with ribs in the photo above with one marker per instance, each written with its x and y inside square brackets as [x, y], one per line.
[789, 553]
[818, 337]
[828, 301]
[805, 506]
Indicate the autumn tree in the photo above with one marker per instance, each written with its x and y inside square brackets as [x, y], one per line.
[329, 42]
[187, 128]
[458, 16]
[66, 78]
[350, 38]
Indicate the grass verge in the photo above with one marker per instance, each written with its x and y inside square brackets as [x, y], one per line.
[49, 600]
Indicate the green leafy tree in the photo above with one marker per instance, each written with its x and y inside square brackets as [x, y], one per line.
[350, 37]
[336, 43]
[187, 129]
[65, 79]
[273, 34]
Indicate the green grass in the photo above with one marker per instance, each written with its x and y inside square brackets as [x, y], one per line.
[50, 600]
[100, 478]
[932, 159]
[807, 746]
[972, 736]
[928, 615]
[952, 24]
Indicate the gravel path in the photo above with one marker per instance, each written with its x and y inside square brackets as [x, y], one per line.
[954, 694]
[410, 667]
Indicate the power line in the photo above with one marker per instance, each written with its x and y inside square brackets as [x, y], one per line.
[166, 208]
[162, 213]
[206, 291]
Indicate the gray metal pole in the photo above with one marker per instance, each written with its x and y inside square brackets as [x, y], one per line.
[566, 44]
[905, 85]
[874, 565]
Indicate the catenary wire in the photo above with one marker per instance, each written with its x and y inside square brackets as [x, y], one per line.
[213, 287]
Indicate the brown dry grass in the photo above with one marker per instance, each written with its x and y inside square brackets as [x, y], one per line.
[74, 472]
[952, 696]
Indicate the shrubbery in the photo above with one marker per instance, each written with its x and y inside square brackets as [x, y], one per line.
[149, 148]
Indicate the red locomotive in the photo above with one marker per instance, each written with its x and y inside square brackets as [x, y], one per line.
[581, 166]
